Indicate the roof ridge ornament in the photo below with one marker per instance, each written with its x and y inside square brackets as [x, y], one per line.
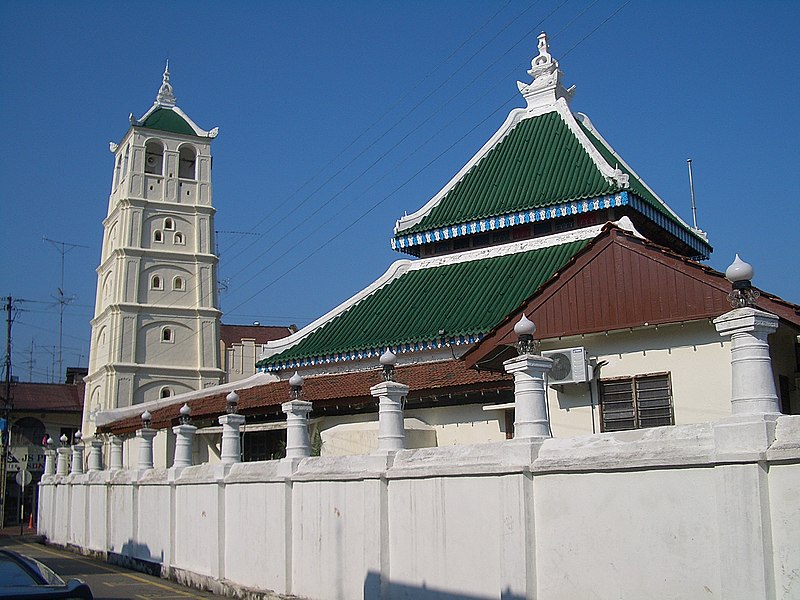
[546, 86]
[165, 97]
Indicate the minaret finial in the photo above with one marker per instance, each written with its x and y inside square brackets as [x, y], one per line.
[546, 87]
[165, 95]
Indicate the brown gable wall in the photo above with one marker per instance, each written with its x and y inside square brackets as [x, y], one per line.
[618, 282]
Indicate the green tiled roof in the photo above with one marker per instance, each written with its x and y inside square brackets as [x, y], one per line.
[164, 119]
[464, 300]
[538, 164]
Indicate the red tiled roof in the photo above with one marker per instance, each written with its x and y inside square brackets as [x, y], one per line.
[349, 389]
[46, 397]
[234, 334]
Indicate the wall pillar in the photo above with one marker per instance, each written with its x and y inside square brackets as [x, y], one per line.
[95, 460]
[62, 463]
[391, 425]
[231, 450]
[77, 456]
[530, 396]
[145, 436]
[49, 462]
[115, 453]
[184, 444]
[298, 443]
[752, 384]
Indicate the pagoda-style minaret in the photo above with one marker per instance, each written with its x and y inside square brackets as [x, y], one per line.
[155, 330]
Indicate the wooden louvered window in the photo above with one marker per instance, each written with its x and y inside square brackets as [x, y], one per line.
[636, 402]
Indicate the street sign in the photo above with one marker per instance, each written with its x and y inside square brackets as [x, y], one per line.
[23, 478]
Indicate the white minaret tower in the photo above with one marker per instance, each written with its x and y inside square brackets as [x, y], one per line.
[155, 331]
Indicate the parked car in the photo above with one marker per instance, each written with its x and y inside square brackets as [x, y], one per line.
[25, 577]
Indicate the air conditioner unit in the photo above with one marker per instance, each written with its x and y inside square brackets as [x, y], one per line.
[570, 365]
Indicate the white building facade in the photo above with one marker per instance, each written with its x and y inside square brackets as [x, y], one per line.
[156, 326]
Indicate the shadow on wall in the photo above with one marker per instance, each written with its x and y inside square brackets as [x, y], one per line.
[137, 556]
[373, 591]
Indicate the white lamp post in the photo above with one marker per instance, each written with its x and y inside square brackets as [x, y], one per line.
[184, 438]
[752, 384]
[145, 435]
[531, 420]
[298, 444]
[77, 453]
[390, 394]
[231, 422]
[62, 464]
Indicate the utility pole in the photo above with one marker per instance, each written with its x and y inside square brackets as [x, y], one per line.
[6, 413]
[63, 248]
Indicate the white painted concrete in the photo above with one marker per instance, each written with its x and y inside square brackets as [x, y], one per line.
[659, 513]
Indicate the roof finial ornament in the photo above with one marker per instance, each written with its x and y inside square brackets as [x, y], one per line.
[165, 96]
[546, 86]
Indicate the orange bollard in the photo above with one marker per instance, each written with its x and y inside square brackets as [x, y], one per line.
[30, 521]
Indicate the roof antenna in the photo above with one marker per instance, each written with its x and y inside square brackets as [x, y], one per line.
[691, 188]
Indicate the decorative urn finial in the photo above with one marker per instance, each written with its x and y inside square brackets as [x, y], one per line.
[232, 400]
[525, 328]
[295, 386]
[186, 414]
[388, 361]
[740, 273]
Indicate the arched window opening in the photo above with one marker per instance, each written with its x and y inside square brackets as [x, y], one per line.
[165, 392]
[125, 164]
[177, 284]
[169, 224]
[153, 157]
[167, 335]
[179, 238]
[156, 283]
[28, 431]
[117, 172]
[158, 236]
[187, 159]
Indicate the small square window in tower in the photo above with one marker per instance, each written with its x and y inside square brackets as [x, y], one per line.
[187, 160]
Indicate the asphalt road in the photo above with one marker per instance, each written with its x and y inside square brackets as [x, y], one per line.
[106, 581]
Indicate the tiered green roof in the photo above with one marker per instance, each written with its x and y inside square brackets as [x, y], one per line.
[538, 164]
[541, 164]
[426, 307]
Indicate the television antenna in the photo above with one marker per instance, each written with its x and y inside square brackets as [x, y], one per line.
[63, 248]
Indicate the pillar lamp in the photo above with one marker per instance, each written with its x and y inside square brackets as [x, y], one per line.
[743, 294]
[295, 386]
[525, 328]
[146, 418]
[388, 361]
[232, 403]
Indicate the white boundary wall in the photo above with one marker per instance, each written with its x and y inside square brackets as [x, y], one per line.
[691, 511]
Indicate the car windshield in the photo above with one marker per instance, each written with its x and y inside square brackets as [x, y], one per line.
[13, 574]
[46, 572]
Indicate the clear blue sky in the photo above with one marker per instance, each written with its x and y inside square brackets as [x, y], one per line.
[337, 117]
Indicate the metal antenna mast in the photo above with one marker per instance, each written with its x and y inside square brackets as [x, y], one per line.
[691, 188]
[63, 248]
